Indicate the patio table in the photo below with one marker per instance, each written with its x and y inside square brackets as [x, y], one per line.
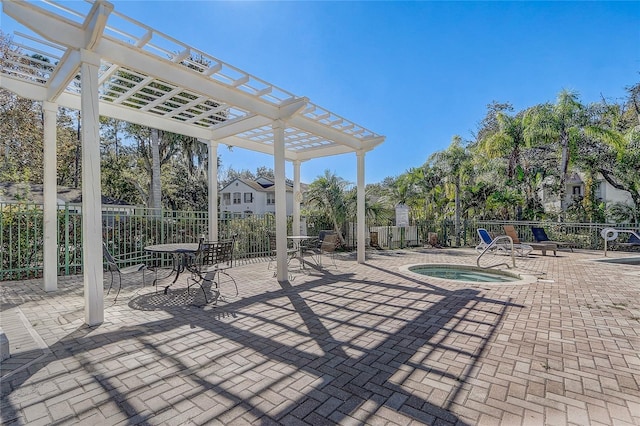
[297, 244]
[180, 252]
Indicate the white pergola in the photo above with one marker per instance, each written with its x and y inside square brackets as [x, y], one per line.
[102, 62]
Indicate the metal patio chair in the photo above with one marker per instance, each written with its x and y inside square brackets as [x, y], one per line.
[328, 247]
[113, 265]
[291, 251]
[211, 261]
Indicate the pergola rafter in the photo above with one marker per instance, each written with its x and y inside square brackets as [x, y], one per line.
[101, 59]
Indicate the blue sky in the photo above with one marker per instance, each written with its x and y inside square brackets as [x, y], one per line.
[416, 72]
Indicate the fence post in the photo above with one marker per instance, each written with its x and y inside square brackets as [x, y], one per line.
[66, 239]
[444, 233]
[162, 232]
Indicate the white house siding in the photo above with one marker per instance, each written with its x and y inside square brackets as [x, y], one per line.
[614, 195]
[259, 205]
[241, 187]
[607, 193]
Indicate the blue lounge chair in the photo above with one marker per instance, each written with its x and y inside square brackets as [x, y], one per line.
[632, 242]
[486, 241]
[540, 236]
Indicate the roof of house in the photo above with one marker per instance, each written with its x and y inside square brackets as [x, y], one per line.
[267, 185]
[33, 193]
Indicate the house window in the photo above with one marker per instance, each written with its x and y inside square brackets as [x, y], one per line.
[271, 198]
[248, 197]
[599, 191]
[236, 198]
[226, 198]
[576, 190]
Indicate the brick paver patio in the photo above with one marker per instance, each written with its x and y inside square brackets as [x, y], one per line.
[356, 344]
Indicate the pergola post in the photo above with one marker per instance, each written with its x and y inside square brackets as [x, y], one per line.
[281, 200]
[296, 198]
[236, 113]
[212, 148]
[50, 217]
[361, 208]
[91, 190]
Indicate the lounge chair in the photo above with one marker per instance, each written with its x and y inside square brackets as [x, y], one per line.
[433, 240]
[540, 236]
[632, 242]
[510, 230]
[486, 240]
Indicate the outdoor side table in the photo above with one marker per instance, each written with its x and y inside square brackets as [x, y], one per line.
[180, 252]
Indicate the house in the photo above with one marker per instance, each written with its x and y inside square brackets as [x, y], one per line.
[66, 198]
[246, 197]
[12, 192]
[575, 190]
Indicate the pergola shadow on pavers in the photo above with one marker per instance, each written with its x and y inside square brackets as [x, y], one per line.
[333, 349]
[89, 57]
[359, 344]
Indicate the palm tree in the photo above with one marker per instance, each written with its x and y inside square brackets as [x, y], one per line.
[404, 190]
[327, 194]
[507, 142]
[372, 209]
[618, 132]
[559, 126]
[454, 163]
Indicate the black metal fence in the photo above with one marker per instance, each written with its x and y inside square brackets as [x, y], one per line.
[127, 230]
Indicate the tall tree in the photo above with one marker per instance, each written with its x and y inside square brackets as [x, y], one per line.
[155, 188]
[327, 193]
[614, 136]
[560, 125]
[112, 133]
[20, 139]
[507, 141]
[154, 149]
[454, 162]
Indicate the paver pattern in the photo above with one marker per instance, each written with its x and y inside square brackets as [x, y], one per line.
[352, 344]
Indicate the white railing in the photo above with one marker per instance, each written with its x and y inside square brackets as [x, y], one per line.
[611, 234]
[497, 247]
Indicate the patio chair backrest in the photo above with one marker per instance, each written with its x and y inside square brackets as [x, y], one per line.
[484, 236]
[329, 243]
[539, 234]
[272, 243]
[108, 256]
[510, 230]
[323, 233]
[633, 239]
[219, 254]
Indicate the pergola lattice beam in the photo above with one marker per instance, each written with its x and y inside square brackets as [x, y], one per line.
[175, 73]
[234, 127]
[95, 23]
[72, 35]
[66, 70]
[139, 75]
